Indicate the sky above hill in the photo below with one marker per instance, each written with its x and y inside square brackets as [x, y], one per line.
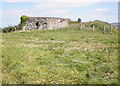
[11, 10]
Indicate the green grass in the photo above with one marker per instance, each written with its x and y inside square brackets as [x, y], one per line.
[62, 56]
[99, 25]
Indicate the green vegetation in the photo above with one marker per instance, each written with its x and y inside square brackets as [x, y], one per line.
[74, 22]
[8, 29]
[38, 25]
[24, 20]
[79, 20]
[62, 56]
[99, 26]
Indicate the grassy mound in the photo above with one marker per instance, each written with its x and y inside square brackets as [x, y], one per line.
[99, 26]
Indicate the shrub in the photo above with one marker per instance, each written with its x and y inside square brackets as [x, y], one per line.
[79, 20]
[23, 20]
[8, 29]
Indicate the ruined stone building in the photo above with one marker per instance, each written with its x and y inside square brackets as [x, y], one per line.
[45, 23]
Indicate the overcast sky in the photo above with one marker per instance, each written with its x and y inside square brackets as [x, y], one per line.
[105, 10]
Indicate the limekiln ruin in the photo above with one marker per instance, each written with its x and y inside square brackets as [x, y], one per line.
[45, 23]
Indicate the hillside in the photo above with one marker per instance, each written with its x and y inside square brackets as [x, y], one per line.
[99, 25]
[116, 24]
[63, 56]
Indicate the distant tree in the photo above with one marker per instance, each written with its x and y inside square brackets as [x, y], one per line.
[79, 20]
[24, 18]
[23, 21]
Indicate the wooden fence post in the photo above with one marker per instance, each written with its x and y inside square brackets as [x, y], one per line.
[104, 29]
[80, 21]
[23, 28]
[110, 28]
[93, 28]
[15, 29]
[81, 24]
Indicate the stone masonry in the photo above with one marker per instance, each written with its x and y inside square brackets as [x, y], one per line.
[45, 23]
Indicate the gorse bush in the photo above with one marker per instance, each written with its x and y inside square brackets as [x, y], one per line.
[8, 29]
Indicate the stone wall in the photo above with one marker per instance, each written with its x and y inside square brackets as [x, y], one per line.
[45, 23]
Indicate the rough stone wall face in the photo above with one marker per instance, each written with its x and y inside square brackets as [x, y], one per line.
[45, 23]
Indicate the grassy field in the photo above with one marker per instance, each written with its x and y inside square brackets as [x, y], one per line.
[62, 56]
